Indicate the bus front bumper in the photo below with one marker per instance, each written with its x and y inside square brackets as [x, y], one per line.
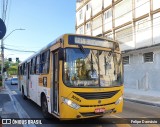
[90, 111]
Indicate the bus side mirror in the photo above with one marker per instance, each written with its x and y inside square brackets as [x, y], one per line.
[61, 54]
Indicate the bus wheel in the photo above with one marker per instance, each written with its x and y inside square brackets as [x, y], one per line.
[44, 107]
[24, 97]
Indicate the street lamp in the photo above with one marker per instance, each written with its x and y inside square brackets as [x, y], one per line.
[2, 54]
[11, 33]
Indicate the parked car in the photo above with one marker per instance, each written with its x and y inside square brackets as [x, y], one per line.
[14, 81]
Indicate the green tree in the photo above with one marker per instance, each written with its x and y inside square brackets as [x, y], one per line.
[13, 69]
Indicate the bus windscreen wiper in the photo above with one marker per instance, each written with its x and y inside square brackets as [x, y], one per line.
[83, 51]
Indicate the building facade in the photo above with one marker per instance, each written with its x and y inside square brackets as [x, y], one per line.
[136, 25]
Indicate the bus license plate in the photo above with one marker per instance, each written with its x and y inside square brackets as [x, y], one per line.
[100, 110]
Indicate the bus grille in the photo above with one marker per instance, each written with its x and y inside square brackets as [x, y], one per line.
[97, 95]
[91, 114]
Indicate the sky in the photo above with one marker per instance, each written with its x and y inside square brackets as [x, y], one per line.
[43, 21]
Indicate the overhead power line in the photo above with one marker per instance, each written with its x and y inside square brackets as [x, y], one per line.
[4, 10]
[17, 46]
[16, 50]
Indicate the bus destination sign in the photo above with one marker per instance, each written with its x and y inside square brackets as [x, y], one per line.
[90, 41]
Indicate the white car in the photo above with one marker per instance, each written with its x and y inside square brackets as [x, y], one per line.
[14, 81]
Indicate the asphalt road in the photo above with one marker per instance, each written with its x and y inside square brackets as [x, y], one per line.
[131, 110]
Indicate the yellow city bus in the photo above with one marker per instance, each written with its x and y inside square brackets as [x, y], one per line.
[74, 77]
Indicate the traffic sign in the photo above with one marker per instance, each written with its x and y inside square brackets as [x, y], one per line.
[2, 29]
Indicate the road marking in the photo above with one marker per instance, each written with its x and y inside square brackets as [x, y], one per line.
[120, 125]
[0, 109]
[153, 125]
[128, 125]
[116, 116]
[14, 92]
[123, 125]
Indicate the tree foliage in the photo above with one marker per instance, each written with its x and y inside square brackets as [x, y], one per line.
[11, 67]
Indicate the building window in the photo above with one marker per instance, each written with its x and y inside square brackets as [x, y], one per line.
[87, 7]
[148, 57]
[125, 35]
[126, 60]
[88, 26]
[81, 30]
[142, 24]
[80, 15]
[108, 14]
[97, 23]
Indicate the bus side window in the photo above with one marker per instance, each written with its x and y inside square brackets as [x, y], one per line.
[21, 70]
[24, 69]
[48, 60]
[38, 64]
[33, 62]
[34, 67]
[45, 62]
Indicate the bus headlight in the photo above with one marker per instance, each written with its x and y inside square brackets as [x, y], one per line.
[119, 100]
[70, 103]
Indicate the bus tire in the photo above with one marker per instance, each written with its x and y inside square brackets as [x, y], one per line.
[44, 107]
[23, 95]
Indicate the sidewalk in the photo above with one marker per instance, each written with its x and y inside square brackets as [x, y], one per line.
[149, 97]
[7, 107]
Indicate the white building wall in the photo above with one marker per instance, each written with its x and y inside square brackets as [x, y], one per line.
[123, 12]
[141, 75]
[80, 16]
[97, 25]
[107, 20]
[96, 6]
[143, 33]
[107, 3]
[125, 36]
[80, 30]
[156, 4]
[88, 10]
[141, 7]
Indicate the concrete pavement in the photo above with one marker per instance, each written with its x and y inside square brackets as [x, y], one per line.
[7, 107]
[149, 97]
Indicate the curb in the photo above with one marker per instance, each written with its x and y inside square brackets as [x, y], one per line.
[18, 108]
[143, 102]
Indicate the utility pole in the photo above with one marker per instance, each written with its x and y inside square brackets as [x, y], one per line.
[2, 55]
[2, 64]
[2, 34]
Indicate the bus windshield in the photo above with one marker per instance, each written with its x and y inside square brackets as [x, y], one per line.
[92, 68]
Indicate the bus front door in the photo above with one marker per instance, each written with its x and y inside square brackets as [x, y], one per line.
[55, 83]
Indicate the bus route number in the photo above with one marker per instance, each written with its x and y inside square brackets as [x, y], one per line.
[76, 98]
